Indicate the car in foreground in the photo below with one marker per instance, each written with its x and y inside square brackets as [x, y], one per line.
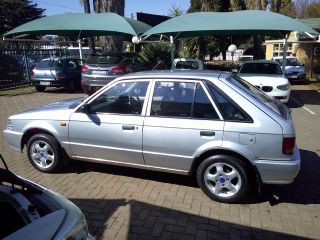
[267, 76]
[57, 72]
[187, 64]
[211, 124]
[102, 68]
[294, 69]
[30, 211]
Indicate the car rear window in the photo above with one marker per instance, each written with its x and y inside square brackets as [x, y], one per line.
[187, 65]
[105, 59]
[50, 64]
[290, 62]
[261, 68]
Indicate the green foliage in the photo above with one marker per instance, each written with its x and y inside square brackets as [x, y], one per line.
[16, 12]
[175, 11]
[157, 54]
[222, 65]
[312, 10]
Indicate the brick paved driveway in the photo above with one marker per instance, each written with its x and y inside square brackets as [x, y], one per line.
[124, 203]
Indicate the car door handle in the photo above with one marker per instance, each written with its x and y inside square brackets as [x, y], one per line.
[207, 133]
[127, 127]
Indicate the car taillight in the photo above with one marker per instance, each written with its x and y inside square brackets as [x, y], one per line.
[119, 69]
[84, 68]
[32, 73]
[60, 75]
[288, 145]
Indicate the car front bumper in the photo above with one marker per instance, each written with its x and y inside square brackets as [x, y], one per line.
[13, 138]
[279, 172]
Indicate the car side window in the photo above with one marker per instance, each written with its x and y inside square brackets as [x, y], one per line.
[172, 99]
[202, 107]
[229, 109]
[122, 98]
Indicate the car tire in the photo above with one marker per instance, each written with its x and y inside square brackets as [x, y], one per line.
[44, 153]
[224, 178]
[40, 88]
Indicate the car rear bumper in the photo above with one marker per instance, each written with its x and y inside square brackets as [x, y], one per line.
[279, 172]
[49, 82]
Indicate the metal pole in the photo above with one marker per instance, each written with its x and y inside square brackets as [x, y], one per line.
[284, 57]
[172, 47]
[80, 48]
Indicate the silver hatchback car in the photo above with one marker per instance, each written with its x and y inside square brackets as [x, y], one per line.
[211, 124]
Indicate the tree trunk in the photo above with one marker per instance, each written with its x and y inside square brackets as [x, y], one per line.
[86, 5]
[110, 43]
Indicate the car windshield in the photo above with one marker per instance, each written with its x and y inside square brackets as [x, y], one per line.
[50, 64]
[105, 59]
[261, 68]
[190, 65]
[290, 62]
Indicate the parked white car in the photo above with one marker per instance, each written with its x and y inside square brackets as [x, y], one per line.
[187, 64]
[294, 69]
[267, 76]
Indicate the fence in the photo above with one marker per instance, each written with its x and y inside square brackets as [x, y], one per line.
[18, 58]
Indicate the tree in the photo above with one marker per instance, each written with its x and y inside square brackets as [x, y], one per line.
[312, 10]
[16, 12]
[301, 6]
[86, 5]
[110, 43]
[175, 11]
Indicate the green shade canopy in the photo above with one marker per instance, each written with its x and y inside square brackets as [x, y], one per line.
[229, 23]
[311, 22]
[82, 25]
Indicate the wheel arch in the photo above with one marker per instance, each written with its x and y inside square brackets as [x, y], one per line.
[31, 132]
[211, 152]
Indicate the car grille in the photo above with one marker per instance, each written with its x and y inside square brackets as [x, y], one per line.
[265, 88]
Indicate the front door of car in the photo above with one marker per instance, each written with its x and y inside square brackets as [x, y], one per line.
[109, 127]
[181, 120]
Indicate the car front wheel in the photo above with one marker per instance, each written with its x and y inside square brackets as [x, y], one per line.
[223, 178]
[44, 153]
[40, 88]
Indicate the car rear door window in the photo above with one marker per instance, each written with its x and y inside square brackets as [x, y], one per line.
[122, 98]
[202, 107]
[172, 99]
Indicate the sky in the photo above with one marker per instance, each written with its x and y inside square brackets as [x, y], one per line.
[160, 7]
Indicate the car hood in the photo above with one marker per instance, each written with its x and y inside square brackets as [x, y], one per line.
[264, 79]
[54, 111]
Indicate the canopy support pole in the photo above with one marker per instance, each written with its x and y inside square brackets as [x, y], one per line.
[80, 45]
[284, 57]
[172, 47]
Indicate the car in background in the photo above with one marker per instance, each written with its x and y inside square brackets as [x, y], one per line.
[30, 211]
[214, 125]
[102, 68]
[294, 69]
[187, 64]
[267, 76]
[57, 72]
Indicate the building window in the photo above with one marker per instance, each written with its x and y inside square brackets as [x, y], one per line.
[278, 49]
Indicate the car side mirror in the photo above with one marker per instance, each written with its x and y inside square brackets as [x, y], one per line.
[234, 71]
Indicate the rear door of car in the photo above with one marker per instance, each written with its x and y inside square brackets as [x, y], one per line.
[181, 119]
[110, 129]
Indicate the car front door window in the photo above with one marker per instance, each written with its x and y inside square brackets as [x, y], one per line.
[123, 98]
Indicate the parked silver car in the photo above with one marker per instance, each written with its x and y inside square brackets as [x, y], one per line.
[211, 124]
[30, 211]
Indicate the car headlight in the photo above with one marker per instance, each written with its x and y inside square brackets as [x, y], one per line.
[10, 125]
[284, 87]
[79, 231]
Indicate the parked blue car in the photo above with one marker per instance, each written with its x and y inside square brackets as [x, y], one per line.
[57, 72]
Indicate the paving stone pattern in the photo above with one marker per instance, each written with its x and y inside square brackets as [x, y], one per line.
[125, 203]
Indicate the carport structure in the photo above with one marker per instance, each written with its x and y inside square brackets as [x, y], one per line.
[249, 22]
[81, 25]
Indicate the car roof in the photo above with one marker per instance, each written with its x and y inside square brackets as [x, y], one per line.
[176, 73]
[114, 54]
[60, 58]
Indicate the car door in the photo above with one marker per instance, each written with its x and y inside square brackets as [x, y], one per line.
[181, 120]
[109, 127]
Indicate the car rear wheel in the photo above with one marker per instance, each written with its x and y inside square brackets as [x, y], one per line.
[40, 88]
[44, 153]
[223, 178]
